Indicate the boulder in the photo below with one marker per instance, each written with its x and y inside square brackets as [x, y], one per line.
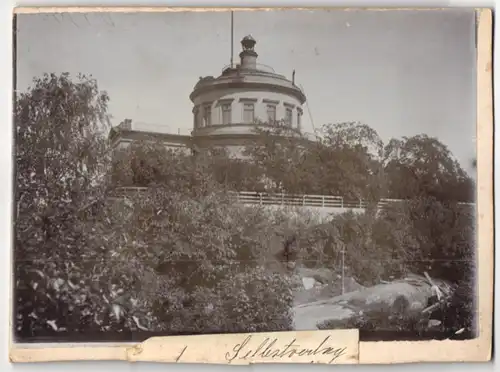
[308, 283]
[320, 283]
[321, 275]
[379, 304]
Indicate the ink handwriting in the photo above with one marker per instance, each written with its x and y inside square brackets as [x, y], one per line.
[182, 353]
[268, 349]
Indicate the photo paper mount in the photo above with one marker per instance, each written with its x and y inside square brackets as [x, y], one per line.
[328, 346]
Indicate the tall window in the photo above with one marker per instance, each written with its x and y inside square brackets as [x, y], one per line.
[299, 117]
[226, 113]
[248, 112]
[271, 113]
[207, 115]
[288, 117]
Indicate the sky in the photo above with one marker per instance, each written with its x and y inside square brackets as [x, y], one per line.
[402, 73]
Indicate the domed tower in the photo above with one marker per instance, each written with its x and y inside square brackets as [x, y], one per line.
[229, 107]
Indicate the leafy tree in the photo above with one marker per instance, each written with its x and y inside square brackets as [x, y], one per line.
[281, 154]
[177, 258]
[182, 257]
[353, 135]
[350, 159]
[230, 171]
[446, 234]
[61, 164]
[343, 160]
[444, 238]
[423, 166]
[151, 163]
[197, 260]
[371, 248]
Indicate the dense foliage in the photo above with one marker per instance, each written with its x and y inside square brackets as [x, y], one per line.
[423, 166]
[61, 154]
[343, 160]
[181, 256]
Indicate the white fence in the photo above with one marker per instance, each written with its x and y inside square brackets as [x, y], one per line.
[283, 199]
[323, 201]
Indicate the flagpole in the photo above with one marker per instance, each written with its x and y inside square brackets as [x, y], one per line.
[232, 37]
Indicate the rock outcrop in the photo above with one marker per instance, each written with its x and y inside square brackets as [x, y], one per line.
[408, 298]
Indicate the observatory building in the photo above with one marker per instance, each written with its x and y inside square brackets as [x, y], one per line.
[228, 108]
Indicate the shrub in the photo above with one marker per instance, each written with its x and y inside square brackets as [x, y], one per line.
[373, 247]
[254, 300]
[200, 261]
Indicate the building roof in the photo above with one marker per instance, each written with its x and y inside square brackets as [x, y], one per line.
[257, 76]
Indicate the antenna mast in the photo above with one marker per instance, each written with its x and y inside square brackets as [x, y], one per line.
[232, 37]
[309, 111]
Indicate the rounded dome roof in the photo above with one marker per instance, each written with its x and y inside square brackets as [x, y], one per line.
[241, 78]
[248, 74]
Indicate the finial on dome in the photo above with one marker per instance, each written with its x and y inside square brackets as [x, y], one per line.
[248, 42]
[248, 55]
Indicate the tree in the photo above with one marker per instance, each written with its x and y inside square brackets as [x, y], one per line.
[354, 135]
[196, 262]
[350, 159]
[180, 257]
[61, 154]
[423, 166]
[281, 155]
[230, 171]
[445, 233]
[152, 164]
[61, 165]
[443, 236]
[373, 247]
[344, 159]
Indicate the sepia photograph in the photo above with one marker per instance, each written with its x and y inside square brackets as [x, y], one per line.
[224, 172]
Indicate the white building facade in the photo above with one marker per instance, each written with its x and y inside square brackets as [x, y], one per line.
[227, 109]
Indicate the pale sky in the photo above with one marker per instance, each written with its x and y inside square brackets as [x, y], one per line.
[401, 72]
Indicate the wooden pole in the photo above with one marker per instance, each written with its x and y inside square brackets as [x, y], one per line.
[343, 268]
[342, 252]
[232, 37]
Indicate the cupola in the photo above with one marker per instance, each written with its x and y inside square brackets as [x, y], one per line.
[248, 55]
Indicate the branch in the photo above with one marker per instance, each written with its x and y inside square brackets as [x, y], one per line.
[19, 203]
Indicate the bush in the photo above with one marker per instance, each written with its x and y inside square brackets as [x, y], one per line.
[201, 262]
[179, 258]
[373, 248]
[254, 300]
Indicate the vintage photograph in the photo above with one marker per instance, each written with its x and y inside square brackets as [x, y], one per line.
[188, 173]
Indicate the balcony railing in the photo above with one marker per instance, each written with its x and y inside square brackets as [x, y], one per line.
[259, 67]
[283, 199]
